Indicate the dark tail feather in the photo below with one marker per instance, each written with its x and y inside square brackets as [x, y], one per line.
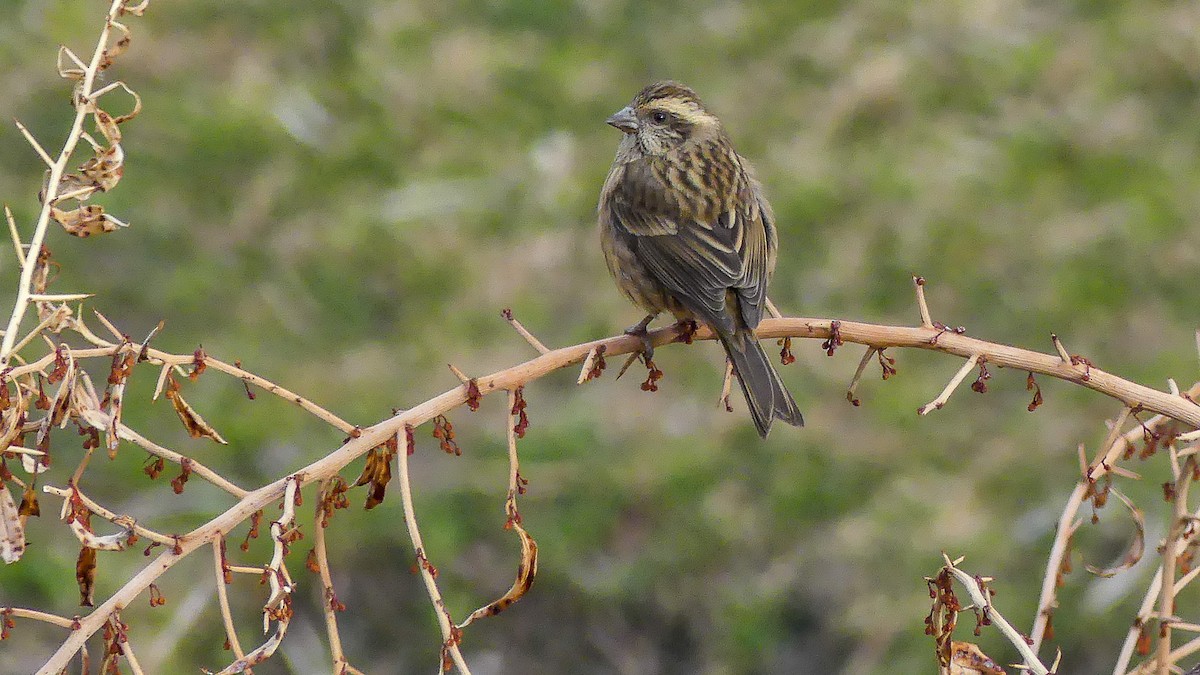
[765, 394]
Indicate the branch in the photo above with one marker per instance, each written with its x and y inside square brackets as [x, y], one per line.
[54, 183]
[872, 335]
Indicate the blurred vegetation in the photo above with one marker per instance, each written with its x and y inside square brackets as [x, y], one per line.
[344, 195]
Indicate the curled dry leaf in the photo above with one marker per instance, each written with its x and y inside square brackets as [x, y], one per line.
[12, 535]
[66, 73]
[1137, 547]
[526, 571]
[13, 421]
[968, 659]
[103, 171]
[192, 421]
[86, 220]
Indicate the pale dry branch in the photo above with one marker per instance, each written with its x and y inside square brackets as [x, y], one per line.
[515, 422]
[1175, 533]
[874, 335]
[59, 297]
[219, 570]
[128, 434]
[15, 236]
[982, 599]
[462, 377]
[922, 306]
[330, 605]
[35, 615]
[130, 657]
[450, 638]
[123, 521]
[1145, 614]
[858, 373]
[54, 183]
[1113, 447]
[586, 371]
[175, 360]
[523, 332]
[1058, 346]
[37, 147]
[937, 403]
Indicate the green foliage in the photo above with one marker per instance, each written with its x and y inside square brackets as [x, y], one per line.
[344, 196]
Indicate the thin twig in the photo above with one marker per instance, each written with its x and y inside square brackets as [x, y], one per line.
[219, 563]
[435, 596]
[772, 310]
[35, 615]
[919, 285]
[937, 403]
[37, 147]
[338, 654]
[858, 373]
[118, 520]
[130, 658]
[15, 236]
[1175, 532]
[128, 434]
[517, 326]
[1062, 351]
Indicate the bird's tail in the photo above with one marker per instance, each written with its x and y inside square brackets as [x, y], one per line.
[766, 396]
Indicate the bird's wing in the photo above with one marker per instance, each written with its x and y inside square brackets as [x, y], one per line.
[697, 259]
[760, 242]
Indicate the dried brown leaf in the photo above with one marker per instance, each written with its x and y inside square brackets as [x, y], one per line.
[526, 571]
[968, 659]
[85, 574]
[85, 221]
[378, 472]
[192, 421]
[104, 170]
[29, 504]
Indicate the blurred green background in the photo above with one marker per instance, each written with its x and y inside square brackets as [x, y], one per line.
[344, 195]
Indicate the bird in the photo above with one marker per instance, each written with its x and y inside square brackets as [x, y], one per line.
[685, 228]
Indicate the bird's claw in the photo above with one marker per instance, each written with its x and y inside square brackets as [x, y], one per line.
[639, 330]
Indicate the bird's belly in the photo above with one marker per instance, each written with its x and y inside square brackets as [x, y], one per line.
[634, 280]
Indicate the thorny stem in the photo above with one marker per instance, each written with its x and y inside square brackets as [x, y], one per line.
[1175, 533]
[982, 599]
[53, 185]
[875, 335]
[1112, 449]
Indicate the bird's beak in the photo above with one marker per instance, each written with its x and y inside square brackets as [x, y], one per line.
[624, 119]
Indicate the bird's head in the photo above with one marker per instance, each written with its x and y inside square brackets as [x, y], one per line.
[664, 116]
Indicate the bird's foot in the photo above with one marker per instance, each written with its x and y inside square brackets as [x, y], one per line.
[639, 330]
[687, 330]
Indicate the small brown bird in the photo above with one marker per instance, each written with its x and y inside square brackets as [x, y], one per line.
[685, 228]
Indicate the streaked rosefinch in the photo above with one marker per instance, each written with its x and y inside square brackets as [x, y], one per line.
[685, 228]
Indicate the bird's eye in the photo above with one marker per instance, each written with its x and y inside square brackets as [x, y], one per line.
[660, 117]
